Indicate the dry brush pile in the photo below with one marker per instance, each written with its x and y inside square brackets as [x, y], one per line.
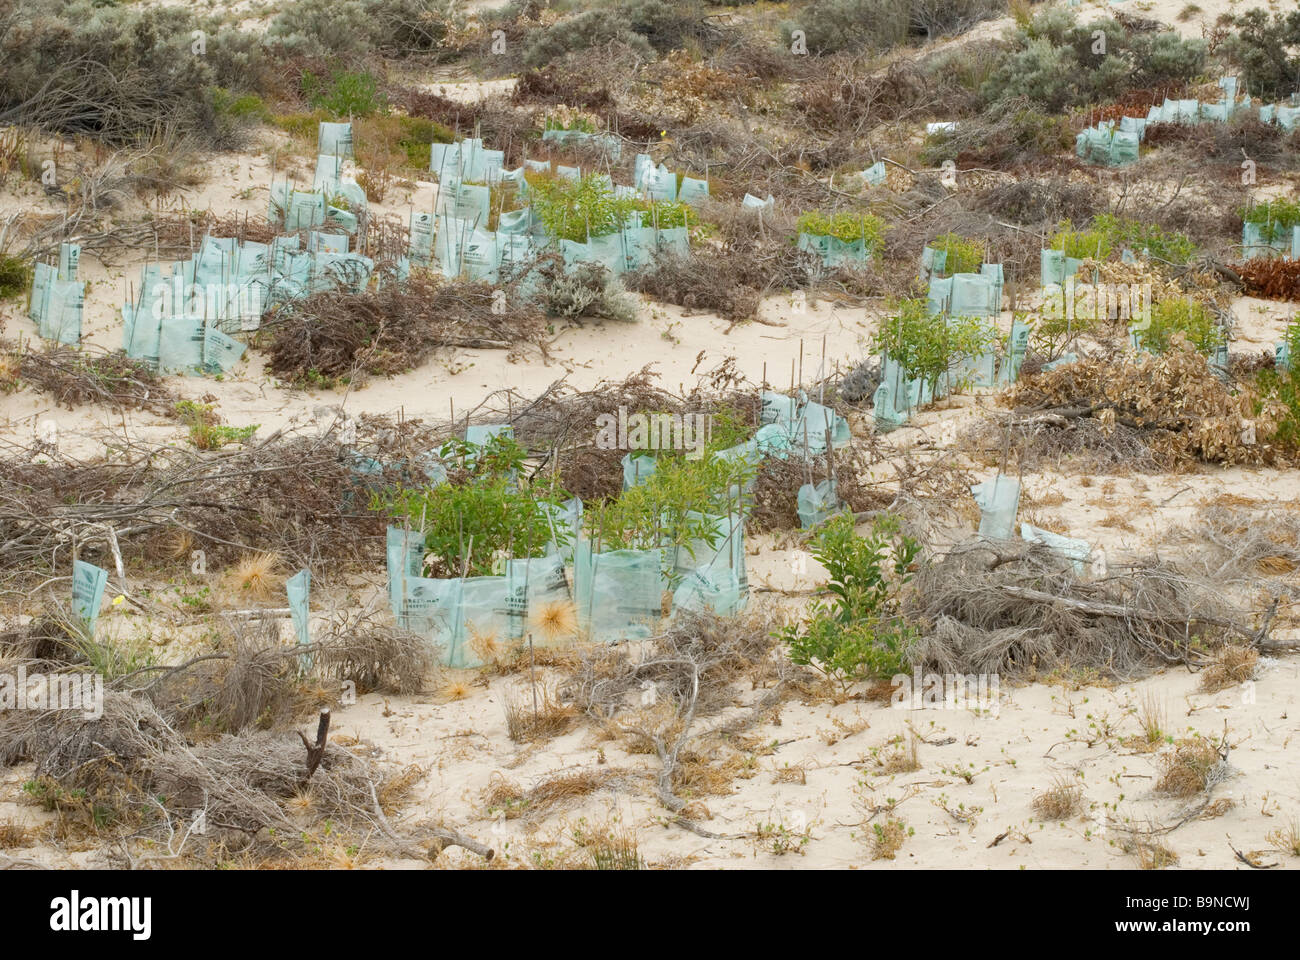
[292, 493]
[201, 762]
[1024, 611]
[337, 336]
[1130, 411]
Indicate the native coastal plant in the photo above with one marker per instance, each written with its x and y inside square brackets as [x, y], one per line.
[1274, 217]
[588, 206]
[681, 505]
[845, 226]
[862, 633]
[1193, 320]
[963, 256]
[469, 525]
[928, 346]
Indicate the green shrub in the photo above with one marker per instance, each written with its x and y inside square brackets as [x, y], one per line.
[346, 94]
[1268, 49]
[15, 276]
[666, 510]
[206, 430]
[1108, 234]
[1081, 244]
[574, 209]
[352, 30]
[645, 26]
[417, 135]
[1194, 320]
[964, 256]
[588, 29]
[82, 68]
[1052, 62]
[1276, 217]
[584, 290]
[862, 634]
[846, 226]
[468, 523]
[1283, 385]
[1138, 236]
[834, 26]
[926, 346]
[245, 106]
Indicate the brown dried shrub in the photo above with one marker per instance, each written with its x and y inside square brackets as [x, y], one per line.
[1174, 401]
[333, 335]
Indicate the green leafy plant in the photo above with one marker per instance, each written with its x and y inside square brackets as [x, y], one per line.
[862, 634]
[675, 507]
[466, 525]
[927, 346]
[415, 137]
[964, 256]
[500, 456]
[345, 93]
[1276, 217]
[846, 226]
[15, 275]
[1081, 244]
[1109, 234]
[206, 430]
[575, 209]
[469, 524]
[1282, 385]
[1179, 315]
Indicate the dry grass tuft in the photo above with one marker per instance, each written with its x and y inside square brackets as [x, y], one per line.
[698, 775]
[1287, 839]
[550, 794]
[1061, 801]
[1154, 855]
[556, 621]
[608, 846]
[788, 774]
[1233, 664]
[902, 759]
[256, 577]
[12, 834]
[550, 718]
[1190, 767]
[486, 646]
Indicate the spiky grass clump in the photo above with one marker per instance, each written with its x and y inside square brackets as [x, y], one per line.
[1287, 839]
[556, 622]
[609, 846]
[486, 645]
[176, 543]
[1151, 716]
[1154, 855]
[256, 577]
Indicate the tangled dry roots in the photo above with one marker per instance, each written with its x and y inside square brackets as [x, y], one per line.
[1018, 610]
